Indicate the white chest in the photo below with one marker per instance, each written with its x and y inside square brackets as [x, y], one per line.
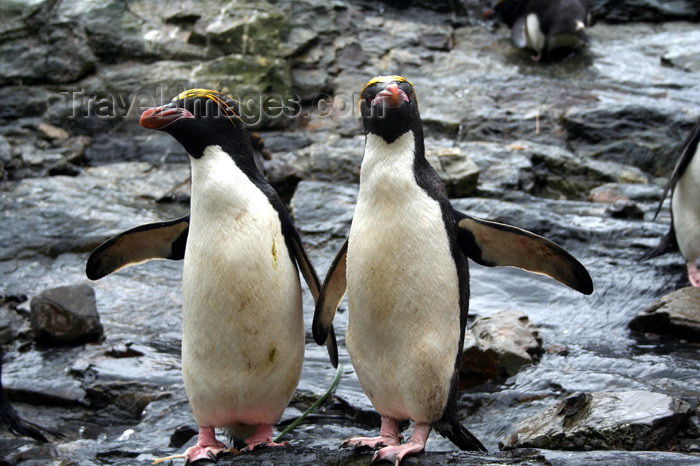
[402, 286]
[533, 34]
[242, 319]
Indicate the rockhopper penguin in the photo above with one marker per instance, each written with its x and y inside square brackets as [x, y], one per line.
[404, 266]
[243, 331]
[684, 234]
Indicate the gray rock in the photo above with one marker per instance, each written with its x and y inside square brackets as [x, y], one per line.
[677, 314]
[66, 314]
[626, 420]
[498, 346]
[624, 209]
[58, 54]
[41, 377]
[11, 322]
[251, 27]
[458, 171]
[623, 11]
[611, 192]
[632, 135]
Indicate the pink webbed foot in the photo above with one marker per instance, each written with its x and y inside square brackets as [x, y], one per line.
[396, 453]
[693, 273]
[262, 438]
[388, 435]
[206, 449]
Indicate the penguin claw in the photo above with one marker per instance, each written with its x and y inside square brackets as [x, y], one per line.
[396, 453]
[213, 456]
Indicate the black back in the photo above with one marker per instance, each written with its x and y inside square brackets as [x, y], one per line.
[559, 16]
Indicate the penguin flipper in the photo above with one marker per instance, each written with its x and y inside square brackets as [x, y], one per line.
[309, 274]
[517, 33]
[497, 244]
[332, 292]
[161, 240]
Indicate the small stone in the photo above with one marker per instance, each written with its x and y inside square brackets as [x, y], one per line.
[676, 314]
[66, 315]
[624, 209]
[49, 131]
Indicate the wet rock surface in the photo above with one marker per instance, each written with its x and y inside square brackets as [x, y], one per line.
[498, 346]
[676, 314]
[547, 148]
[628, 420]
[66, 315]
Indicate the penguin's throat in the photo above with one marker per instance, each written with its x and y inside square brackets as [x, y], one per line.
[388, 166]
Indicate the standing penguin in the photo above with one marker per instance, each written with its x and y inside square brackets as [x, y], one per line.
[405, 270]
[243, 332]
[684, 234]
[545, 25]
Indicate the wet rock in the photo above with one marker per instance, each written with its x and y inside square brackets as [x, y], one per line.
[459, 173]
[49, 131]
[677, 314]
[303, 455]
[624, 209]
[123, 400]
[498, 346]
[11, 322]
[41, 377]
[611, 192]
[626, 420]
[58, 53]
[66, 315]
[616, 11]
[633, 134]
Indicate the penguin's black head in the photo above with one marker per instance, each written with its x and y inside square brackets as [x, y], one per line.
[389, 107]
[199, 118]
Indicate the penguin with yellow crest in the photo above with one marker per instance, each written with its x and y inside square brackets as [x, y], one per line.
[243, 331]
[404, 267]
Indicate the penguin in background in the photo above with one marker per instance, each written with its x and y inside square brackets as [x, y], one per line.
[684, 233]
[404, 266]
[545, 25]
[243, 332]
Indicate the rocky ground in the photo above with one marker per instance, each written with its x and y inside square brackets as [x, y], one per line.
[577, 150]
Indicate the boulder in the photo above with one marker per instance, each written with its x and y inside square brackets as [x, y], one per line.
[646, 137]
[677, 314]
[498, 346]
[458, 171]
[66, 315]
[625, 420]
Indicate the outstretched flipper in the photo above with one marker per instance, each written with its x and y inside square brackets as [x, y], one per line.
[497, 244]
[162, 240]
[332, 292]
[309, 274]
